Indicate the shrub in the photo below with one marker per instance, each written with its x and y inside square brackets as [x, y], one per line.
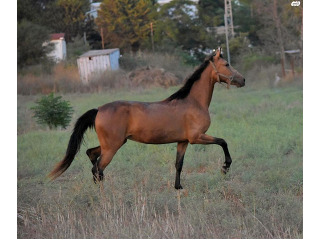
[52, 111]
[255, 59]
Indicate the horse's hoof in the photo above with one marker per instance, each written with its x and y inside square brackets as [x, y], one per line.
[97, 179]
[178, 187]
[97, 175]
[224, 170]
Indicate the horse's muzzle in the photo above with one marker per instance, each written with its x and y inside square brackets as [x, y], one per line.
[238, 82]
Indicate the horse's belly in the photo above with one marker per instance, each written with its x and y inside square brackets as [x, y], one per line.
[157, 135]
[155, 123]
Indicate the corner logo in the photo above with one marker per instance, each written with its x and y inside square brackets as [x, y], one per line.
[295, 3]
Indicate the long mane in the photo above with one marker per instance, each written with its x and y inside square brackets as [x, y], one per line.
[184, 91]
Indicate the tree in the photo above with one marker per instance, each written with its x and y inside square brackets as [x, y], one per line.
[29, 10]
[125, 23]
[30, 41]
[245, 21]
[179, 25]
[211, 12]
[280, 26]
[92, 32]
[73, 16]
[67, 16]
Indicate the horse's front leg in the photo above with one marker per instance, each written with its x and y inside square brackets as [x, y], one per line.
[181, 149]
[206, 139]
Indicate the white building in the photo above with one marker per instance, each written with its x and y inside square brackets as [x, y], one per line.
[59, 51]
[95, 62]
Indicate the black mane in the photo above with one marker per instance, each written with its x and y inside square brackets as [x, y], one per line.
[185, 90]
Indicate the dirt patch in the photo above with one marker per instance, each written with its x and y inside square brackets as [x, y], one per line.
[149, 77]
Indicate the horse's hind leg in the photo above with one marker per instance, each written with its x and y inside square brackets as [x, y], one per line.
[111, 124]
[107, 153]
[93, 154]
[99, 166]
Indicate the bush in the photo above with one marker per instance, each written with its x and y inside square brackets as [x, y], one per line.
[52, 111]
[255, 59]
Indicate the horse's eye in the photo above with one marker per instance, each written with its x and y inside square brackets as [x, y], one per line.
[227, 65]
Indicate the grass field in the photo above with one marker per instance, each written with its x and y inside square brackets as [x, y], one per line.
[261, 196]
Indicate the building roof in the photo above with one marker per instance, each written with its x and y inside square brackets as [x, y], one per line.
[56, 36]
[93, 53]
[292, 51]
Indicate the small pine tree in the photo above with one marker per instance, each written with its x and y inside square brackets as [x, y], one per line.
[52, 111]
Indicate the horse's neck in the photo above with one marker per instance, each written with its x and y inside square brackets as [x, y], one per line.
[202, 89]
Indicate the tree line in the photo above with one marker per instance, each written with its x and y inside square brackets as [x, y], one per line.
[262, 28]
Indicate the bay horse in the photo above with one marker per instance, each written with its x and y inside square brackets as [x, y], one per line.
[182, 118]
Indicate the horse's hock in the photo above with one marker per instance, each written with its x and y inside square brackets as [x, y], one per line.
[148, 76]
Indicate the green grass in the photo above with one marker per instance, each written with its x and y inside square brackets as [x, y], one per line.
[261, 196]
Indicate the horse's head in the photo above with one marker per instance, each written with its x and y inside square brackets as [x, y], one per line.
[223, 72]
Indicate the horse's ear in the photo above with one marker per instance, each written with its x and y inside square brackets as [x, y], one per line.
[218, 53]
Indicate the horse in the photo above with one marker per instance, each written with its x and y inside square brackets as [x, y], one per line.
[181, 118]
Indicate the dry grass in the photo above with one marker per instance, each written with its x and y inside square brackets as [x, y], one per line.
[81, 211]
[65, 78]
[143, 70]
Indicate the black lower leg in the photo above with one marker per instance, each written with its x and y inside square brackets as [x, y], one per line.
[228, 160]
[206, 139]
[181, 149]
[97, 173]
[179, 164]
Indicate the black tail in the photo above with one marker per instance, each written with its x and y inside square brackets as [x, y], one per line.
[83, 123]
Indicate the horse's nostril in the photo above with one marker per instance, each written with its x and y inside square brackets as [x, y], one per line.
[244, 80]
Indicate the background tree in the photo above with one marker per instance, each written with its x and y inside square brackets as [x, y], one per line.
[245, 21]
[211, 12]
[30, 41]
[92, 31]
[67, 16]
[125, 23]
[73, 16]
[179, 26]
[29, 10]
[37, 19]
[279, 27]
